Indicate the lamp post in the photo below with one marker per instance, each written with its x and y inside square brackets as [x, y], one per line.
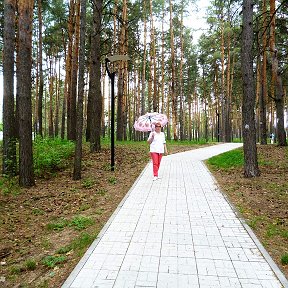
[111, 75]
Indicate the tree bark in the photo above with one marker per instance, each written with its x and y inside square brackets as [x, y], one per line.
[223, 93]
[143, 77]
[163, 62]
[68, 61]
[173, 92]
[57, 99]
[51, 108]
[181, 114]
[122, 80]
[69, 66]
[95, 95]
[26, 173]
[81, 84]
[263, 82]
[277, 92]
[9, 163]
[248, 104]
[39, 122]
[153, 62]
[74, 74]
[279, 102]
[227, 123]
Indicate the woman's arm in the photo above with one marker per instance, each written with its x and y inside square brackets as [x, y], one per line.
[151, 138]
[165, 149]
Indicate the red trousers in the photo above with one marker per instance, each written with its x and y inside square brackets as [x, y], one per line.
[156, 160]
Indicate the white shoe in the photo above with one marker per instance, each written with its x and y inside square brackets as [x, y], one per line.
[155, 178]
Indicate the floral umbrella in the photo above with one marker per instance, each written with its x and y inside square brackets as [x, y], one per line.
[147, 122]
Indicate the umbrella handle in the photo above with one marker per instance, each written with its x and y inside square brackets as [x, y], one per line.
[149, 117]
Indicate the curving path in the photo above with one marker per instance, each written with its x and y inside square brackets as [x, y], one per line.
[178, 231]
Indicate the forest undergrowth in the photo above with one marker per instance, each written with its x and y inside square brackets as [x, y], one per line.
[46, 229]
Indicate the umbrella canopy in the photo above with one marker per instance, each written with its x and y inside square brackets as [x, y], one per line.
[147, 122]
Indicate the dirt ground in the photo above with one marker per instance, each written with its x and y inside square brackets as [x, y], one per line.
[38, 225]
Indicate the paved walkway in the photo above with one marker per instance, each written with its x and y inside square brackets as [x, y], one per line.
[178, 231]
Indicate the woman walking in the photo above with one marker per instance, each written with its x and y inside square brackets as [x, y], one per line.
[157, 148]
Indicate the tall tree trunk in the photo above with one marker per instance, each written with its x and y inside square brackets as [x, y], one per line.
[223, 94]
[74, 74]
[277, 92]
[57, 98]
[143, 76]
[81, 84]
[51, 106]
[103, 102]
[69, 65]
[263, 82]
[122, 79]
[217, 108]
[163, 62]
[64, 99]
[41, 76]
[227, 123]
[231, 93]
[189, 118]
[279, 102]
[26, 173]
[17, 72]
[9, 163]
[95, 95]
[67, 83]
[153, 61]
[181, 116]
[248, 121]
[173, 92]
[273, 48]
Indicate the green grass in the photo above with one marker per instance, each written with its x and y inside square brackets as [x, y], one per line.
[102, 191]
[227, 160]
[284, 259]
[112, 180]
[30, 264]
[46, 244]
[254, 221]
[81, 223]
[15, 270]
[241, 209]
[52, 260]
[9, 186]
[78, 223]
[37, 211]
[50, 155]
[58, 225]
[88, 183]
[84, 207]
[276, 229]
[79, 244]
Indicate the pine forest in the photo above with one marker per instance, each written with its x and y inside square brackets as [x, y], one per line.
[78, 80]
